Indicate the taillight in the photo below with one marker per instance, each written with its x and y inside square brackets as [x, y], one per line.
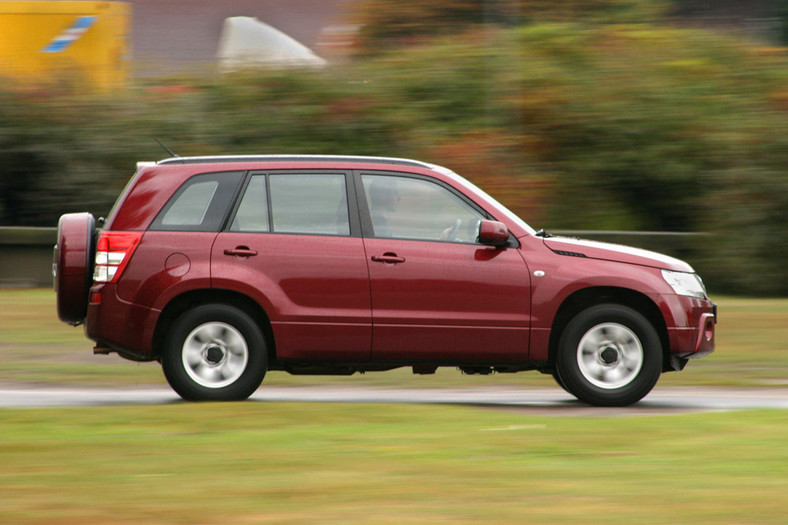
[113, 251]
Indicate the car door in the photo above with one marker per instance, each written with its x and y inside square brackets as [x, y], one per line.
[437, 294]
[293, 244]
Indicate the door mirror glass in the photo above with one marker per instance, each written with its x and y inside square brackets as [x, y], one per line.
[493, 233]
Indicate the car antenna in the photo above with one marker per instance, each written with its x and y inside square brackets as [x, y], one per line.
[168, 150]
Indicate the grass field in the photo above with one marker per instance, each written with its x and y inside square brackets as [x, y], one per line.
[752, 350]
[260, 462]
[306, 463]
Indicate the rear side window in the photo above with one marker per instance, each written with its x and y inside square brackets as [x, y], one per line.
[200, 204]
[252, 214]
[308, 203]
[192, 205]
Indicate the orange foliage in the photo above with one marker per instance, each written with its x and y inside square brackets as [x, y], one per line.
[487, 159]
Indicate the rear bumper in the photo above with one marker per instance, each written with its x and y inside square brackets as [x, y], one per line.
[124, 327]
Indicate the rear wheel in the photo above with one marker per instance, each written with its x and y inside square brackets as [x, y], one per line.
[609, 355]
[558, 379]
[214, 352]
[72, 265]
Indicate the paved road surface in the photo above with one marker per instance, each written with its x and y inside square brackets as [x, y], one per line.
[526, 400]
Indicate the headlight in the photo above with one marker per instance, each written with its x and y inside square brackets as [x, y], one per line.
[688, 284]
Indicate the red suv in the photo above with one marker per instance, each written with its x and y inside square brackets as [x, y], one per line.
[222, 268]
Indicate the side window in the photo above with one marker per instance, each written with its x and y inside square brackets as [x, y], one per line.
[252, 214]
[192, 205]
[200, 204]
[309, 203]
[409, 208]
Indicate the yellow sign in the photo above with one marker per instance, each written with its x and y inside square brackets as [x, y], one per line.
[87, 43]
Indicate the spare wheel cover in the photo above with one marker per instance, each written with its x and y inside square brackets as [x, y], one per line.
[73, 271]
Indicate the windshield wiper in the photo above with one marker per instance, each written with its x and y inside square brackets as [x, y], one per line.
[544, 234]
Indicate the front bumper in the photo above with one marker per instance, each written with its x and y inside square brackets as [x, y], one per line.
[693, 334]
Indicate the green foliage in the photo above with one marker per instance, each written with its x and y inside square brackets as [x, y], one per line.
[385, 25]
[576, 125]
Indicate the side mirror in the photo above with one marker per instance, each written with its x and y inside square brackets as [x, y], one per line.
[493, 233]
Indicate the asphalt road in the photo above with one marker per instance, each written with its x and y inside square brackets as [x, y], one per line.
[553, 402]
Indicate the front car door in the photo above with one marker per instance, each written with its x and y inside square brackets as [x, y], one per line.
[437, 294]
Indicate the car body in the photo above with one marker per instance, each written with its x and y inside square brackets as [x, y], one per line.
[225, 267]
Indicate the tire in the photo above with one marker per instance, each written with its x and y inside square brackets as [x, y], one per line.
[214, 352]
[558, 380]
[609, 355]
[72, 265]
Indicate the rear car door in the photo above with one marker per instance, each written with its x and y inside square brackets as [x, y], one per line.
[294, 245]
[437, 294]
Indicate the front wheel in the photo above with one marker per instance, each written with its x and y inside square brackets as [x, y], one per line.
[609, 355]
[214, 352]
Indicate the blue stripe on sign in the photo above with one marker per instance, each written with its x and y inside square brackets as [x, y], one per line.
[70, 34]
[83, 22]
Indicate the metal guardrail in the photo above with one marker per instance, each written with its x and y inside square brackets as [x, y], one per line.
[26, 257]
[26, 253]
[624, 233]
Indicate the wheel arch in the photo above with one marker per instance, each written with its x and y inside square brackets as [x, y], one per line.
[193, 298]
[588, 297]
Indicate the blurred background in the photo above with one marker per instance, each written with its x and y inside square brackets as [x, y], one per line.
[661, 117]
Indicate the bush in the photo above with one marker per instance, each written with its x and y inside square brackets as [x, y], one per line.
[385, 25]
[573, 126]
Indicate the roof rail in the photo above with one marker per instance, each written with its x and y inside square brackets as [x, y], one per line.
[295, 158]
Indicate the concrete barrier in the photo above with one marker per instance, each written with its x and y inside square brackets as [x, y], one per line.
[26, 257]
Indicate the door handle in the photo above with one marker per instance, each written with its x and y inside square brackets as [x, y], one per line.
[388, 258]
[241, 251]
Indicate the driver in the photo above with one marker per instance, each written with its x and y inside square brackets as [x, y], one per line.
[384, 197]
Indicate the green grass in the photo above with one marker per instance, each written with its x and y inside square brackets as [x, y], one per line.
[752, 351]
[258, 462]
[344, 463]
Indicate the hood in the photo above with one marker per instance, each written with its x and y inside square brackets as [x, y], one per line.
[615, 252]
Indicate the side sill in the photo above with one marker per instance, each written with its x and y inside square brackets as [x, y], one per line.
[102, 348]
